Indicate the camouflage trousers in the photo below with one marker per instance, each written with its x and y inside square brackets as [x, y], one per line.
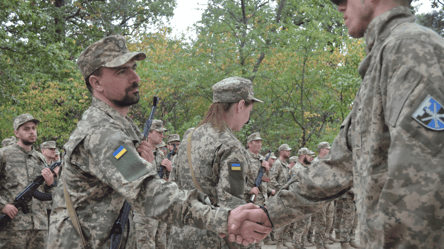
[150, 233]
[318, 226]
[321, 223]
[30, 239]
[345, 214]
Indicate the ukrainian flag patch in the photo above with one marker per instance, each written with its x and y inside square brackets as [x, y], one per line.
[119, 152]
[236, 167]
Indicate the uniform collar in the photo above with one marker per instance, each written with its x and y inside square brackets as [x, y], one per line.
[381, 26]
[23, 149]
[254, 155]
[124, 121]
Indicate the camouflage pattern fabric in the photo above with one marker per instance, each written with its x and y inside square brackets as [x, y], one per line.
[256, 164]
[299, 228]
[173, 173]
[279, 175]
[318, 226]
[329, 214]
[345, 211]
[393, 161]
[221, 165]
[33, 239]
[98, 187]
[9, 141]
[18, 168]
[233, 90]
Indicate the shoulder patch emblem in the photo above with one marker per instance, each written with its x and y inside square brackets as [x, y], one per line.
[430, 114]
[119, 152]
[236, 166]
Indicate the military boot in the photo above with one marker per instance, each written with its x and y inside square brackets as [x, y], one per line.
[323, 246]
[354, 244]
[345, 245]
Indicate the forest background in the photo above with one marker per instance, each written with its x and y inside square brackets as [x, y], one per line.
[297, 53]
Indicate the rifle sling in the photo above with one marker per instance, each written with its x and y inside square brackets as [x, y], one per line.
[196, 183]
[72, 213]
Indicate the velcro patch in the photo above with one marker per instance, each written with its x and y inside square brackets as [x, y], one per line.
[119, 152]
[236, 166]
[128, 162]
[430, 114]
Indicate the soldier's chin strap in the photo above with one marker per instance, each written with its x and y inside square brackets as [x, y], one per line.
[196, 183]
[73, 214]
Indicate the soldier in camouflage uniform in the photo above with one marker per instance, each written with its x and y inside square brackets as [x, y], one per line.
[150, 232]
[173, 139]
[279, 177]
[254, 143]
[48, 150]
[389, 148]
[19, 165]
[102, 167]
[219, 162]
[9, 141]
[323, 150]
[343, 224]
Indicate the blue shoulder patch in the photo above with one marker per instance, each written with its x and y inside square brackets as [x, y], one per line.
[430, 114]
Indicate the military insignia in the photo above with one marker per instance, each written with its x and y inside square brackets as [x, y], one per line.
[119, 152]
[430, 114]
[121, 44]
[236, 166]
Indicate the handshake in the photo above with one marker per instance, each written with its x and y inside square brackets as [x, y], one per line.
[248, 224]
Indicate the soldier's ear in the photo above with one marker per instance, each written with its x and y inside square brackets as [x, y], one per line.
[95, 83]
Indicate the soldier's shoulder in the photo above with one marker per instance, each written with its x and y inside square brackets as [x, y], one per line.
[415, 33]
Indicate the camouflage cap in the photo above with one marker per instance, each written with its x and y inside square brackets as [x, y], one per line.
[272, 156]
[161, 145]
[253, 137]
[8, 141]
[284, 147]
[323, 145]
[173, 138]
[232, 90]
[305, 151]
[48, 144]
[293, 159]
[157, 125]
[110, 51]
[23, 118]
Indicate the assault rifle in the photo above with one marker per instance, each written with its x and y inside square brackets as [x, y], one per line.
[120, 223]
[161, 173]
[258, 180]
[22, 199]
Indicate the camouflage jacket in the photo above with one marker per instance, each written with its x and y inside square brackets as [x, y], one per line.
[256, 164]
[100, 177]
[220, 163]
[279, 175]
[389, 147]
[18, 168]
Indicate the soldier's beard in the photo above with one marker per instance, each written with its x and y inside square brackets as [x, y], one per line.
[128, 100]
[27, 142]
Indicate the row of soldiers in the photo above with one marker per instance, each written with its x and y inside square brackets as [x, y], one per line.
[278, 171]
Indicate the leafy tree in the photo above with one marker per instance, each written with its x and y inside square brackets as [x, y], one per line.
[433, 20]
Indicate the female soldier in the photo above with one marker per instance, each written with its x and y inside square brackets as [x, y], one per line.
[214, 161]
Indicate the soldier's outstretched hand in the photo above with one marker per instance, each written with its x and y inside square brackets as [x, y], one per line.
[248, 224]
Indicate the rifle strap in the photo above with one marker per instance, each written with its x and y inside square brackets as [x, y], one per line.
[72, 213]
[196, 183]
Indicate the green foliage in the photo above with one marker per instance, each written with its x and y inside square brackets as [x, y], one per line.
[39, 41]
[433, 20]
